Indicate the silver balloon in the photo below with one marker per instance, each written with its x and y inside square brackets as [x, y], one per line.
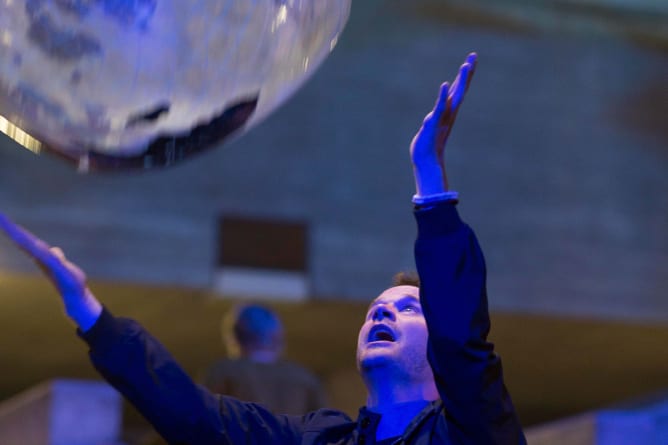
[122, 84]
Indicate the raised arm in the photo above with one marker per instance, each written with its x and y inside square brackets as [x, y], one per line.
[453, 295]
[139, 367]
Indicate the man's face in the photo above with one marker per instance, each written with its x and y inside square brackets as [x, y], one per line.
[395, 334]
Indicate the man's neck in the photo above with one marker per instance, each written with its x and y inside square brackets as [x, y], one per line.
[380, 399]
[397, 400]
[386, 389]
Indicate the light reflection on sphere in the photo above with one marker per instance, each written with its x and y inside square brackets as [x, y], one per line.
[126, 84]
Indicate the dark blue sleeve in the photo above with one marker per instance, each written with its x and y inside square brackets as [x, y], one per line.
[453, 295]
[184, 413]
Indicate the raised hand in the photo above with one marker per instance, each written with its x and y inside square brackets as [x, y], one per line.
[70, 281]
[428, 145]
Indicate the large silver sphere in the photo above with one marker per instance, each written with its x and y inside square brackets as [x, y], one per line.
[122, 84]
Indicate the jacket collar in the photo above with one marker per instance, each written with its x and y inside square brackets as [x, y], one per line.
[367, 422]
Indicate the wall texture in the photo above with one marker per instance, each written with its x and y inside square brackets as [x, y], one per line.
[560, 154]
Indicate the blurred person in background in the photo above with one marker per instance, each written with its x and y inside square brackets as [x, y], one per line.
[254, 370]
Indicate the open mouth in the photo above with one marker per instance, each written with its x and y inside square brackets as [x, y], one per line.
[381, 333]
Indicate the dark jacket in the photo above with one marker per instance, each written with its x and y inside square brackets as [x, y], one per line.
[475, 407]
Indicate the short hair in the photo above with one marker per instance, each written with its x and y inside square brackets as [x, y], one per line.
[406, 278]
[254, 326]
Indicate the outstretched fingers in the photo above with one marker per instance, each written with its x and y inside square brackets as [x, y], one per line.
[65, 275]
[458, 92]
[442, 100]
[80, 304]
[463, 79]
[452, 96]
[26, 241]
[471, 59]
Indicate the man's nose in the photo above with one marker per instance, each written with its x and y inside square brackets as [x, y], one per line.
[382, 312]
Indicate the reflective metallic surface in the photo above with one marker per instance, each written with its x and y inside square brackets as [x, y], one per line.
[119, 84]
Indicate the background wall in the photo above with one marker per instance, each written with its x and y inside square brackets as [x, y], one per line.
[560, 154]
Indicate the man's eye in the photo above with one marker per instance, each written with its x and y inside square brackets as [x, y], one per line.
[409, 309]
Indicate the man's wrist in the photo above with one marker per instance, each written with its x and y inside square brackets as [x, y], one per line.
[447, 195]
[85, 312]
[429, 179]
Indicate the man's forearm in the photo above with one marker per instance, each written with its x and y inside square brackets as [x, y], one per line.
[468, 373]
[139, 367]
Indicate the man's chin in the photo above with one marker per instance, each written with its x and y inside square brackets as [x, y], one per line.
[375, 357]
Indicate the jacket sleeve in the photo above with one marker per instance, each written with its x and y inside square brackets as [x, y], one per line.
[453, 295]
[183, 413]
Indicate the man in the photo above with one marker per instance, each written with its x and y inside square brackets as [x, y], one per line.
[431, 376]
[254, 371]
